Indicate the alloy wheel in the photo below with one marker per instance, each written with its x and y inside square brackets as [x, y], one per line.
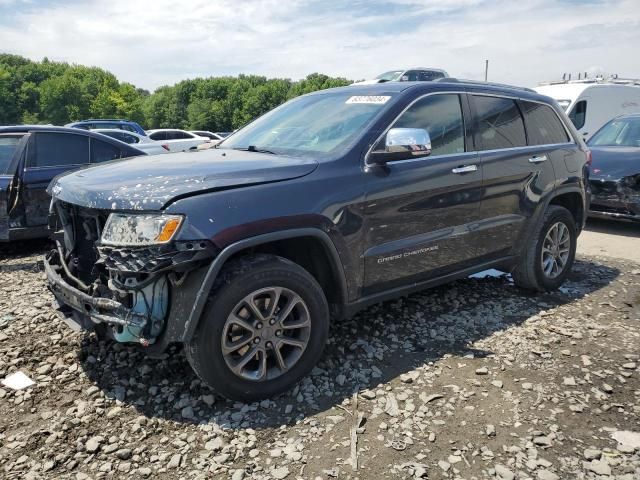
[556, 248]
[266, 333]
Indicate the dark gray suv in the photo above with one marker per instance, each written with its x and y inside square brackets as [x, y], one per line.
[329, 203]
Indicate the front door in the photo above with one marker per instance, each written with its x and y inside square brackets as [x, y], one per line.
[420, 212]
[11, 148]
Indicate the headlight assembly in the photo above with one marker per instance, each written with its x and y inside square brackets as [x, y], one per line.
[140, 229]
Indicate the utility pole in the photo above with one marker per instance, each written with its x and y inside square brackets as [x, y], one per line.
[486, 70]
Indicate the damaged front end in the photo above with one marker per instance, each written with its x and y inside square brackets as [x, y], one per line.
[616, 198]
[136, 291]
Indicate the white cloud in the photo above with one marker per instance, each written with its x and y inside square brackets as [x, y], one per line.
[150, 43]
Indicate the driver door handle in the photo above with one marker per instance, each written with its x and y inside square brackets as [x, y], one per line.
[540, 159]
[465, 169]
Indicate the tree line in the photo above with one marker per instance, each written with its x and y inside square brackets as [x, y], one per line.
[56, 93]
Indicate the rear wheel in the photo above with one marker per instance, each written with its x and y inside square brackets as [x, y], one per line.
[263, 329]
[550, 252]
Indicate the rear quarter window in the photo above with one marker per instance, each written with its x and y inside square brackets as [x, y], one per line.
[543, 125]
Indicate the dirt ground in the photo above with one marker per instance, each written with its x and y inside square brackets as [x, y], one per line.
[611, 239]
[476, 379]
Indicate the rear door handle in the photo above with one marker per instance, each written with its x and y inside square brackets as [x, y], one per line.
[540, 159]
[465, 169]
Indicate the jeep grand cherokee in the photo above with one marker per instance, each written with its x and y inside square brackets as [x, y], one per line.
[329, 203]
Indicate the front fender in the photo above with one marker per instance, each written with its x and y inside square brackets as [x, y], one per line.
[191, 324]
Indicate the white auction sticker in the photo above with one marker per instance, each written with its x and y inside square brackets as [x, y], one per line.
[371, 99]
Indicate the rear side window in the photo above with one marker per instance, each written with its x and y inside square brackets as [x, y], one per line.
[103, 151]
[158, 136]
[578, 114]
[127, 127]
[59, 149]
[8, 145]
[543, 125]
[500, 124]
[441, 116]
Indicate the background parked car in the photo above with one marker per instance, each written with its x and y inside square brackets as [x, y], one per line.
[177, 140]
[93, 124]
[615, 171]
[30, 157]
[214, 138]
[593, 102]
[416, 74]
[143, 143]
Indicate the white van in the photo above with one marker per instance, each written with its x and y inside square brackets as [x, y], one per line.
[592, 103]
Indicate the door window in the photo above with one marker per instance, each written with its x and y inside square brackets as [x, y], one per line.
[578, 114]
[8, 145]
[441, 116]
[158, 136]
[130, 139]
[59, 149]
[500, 123]
[103, 151]
[543, 125]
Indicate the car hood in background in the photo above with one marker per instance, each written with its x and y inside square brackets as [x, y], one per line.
[615, 162]
[152, 182]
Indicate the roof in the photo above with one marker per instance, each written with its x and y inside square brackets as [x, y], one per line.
[440, 84]
[49, 128]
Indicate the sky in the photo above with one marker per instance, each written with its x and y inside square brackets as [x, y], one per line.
[159, 42]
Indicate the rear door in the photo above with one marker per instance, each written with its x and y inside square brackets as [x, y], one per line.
[11, 148]
[49, 154]
[516, 174]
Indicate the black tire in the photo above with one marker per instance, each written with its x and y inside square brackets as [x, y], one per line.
[237, 280]
[528, 273]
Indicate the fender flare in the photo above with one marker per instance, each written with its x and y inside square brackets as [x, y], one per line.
[193, 320]
[542, 207]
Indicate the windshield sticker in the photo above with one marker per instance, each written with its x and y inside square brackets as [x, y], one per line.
[370, 99]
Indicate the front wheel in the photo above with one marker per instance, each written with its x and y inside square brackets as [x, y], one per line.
[549, 253]
[263, 329]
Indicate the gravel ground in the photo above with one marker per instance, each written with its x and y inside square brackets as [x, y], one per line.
[471, 380]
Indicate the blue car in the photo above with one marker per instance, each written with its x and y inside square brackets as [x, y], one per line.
[119, 124]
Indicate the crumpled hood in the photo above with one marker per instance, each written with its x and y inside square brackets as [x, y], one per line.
[614, 163]
[152, 182]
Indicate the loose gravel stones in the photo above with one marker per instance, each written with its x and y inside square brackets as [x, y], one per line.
[476, 379]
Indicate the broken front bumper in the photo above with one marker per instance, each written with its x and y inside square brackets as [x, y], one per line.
[91, 309]
[81, 311]
[616, 199]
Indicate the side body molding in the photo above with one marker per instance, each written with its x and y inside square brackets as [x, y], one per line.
[203, 293]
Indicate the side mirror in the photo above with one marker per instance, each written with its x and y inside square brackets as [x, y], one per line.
[402, 144]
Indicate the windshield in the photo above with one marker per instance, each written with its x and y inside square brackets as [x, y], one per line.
[389, 76]
[314, 124]
[622, 132]
[7, 149]
[564, 104]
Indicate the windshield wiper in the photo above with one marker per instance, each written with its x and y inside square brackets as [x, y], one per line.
[253, 148]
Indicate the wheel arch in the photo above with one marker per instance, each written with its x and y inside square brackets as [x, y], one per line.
[298, 245]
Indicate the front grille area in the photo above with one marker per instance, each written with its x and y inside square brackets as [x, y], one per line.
[177, 257]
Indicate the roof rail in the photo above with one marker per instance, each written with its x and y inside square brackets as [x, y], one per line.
[482, 83]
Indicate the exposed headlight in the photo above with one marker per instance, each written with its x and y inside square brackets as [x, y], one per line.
[140, 229]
